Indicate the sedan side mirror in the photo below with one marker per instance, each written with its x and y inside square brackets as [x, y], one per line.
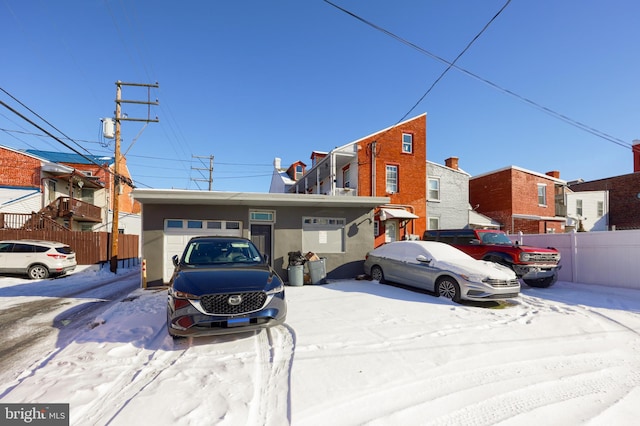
[423, 259]
[266, 258]
[175, 260]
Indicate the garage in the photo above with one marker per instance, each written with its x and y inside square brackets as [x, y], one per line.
[339, 229]
[177, 232]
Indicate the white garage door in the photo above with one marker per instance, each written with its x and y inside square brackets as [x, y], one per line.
[178, 232]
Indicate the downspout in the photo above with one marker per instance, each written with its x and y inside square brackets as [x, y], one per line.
[373, 168]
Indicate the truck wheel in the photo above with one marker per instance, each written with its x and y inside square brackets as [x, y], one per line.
[449, 288]
[540, 282]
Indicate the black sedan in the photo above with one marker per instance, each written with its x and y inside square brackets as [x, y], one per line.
[223, 285]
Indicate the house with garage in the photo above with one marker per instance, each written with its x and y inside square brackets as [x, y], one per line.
[521, 200]
[390, 163]
[338, 229]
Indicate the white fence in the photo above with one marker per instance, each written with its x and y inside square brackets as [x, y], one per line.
[610, 258]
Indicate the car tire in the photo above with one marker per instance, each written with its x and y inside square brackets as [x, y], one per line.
[449, 288]
[38, 272]
[377, 274]
[540, 282]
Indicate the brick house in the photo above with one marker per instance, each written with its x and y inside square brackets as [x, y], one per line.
[51, 189]
[389, 163]
[623, 193]
[521, 200]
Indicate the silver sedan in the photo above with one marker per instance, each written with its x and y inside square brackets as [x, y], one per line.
[441, 269]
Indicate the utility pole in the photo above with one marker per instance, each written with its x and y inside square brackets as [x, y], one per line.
[210, 169]
[117, 178]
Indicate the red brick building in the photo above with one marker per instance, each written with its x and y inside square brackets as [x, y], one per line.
[624, 194]
[72, 190]
[521, 200]
[389, 163]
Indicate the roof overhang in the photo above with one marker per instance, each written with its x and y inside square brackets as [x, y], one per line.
[193, 197]
[478, 219]
[386, 214]
[535, 217]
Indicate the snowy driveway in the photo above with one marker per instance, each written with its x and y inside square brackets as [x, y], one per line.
[352, 352]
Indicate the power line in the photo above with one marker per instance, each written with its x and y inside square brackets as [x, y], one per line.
[41, 118]
[521, 98]
[455, 60]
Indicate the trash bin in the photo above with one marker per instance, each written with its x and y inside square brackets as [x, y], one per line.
[317, 270]
[296, 275]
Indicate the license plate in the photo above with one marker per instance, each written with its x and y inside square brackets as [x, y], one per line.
[237, 322]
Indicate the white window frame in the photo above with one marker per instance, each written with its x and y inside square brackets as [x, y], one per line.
[433, 219]
[407, 143]
[600, 209]
[542, 196]
[437, 190]
[391, 178]
[579, 209]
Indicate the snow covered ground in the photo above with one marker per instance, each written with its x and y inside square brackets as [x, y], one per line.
[352, 352]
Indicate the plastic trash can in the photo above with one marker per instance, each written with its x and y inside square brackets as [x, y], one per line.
[296, 275]
[317, 270]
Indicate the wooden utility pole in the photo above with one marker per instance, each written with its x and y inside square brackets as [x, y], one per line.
[210, 169]
[117, 178]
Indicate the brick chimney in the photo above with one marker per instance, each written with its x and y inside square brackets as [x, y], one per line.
[554, 174]
[452, 162]
[636, 155]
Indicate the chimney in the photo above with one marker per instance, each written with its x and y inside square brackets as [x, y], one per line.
[554, 174]
[636, 155]
[452, 162]
[276, 163]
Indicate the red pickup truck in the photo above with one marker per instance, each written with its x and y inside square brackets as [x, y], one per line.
[538, 267]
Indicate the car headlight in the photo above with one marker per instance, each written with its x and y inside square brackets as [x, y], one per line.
[276, 290]
[525, 257]
[473, 278]
[183, 295]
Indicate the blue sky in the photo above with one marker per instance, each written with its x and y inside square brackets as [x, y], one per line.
[250, 80]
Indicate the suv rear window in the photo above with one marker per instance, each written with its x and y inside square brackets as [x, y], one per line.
[64, 250]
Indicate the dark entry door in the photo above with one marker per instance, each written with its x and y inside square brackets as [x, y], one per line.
[261, 237]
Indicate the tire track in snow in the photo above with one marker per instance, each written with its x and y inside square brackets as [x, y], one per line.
[132, 381]
[271, 404]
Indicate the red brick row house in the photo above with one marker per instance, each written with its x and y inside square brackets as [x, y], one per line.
[389, 163]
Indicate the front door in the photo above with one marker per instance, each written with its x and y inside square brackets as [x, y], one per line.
[261, 237]
[390, 230]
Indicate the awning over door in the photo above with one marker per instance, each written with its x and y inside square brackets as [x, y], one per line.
[386, 214]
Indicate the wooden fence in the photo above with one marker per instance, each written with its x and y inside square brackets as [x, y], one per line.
[90, 247]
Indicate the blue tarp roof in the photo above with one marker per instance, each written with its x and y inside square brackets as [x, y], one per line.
[67, 157]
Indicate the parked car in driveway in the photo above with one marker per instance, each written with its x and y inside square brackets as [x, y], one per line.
[441, 269]
[35, 258]
[223, 285]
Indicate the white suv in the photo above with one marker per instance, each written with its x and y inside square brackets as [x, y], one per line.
[37, 259]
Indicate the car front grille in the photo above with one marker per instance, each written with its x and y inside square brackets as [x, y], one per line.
[502, 283]
[544, 257]
[219, 304]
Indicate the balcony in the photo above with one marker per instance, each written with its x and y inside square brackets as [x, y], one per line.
[79, 211]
